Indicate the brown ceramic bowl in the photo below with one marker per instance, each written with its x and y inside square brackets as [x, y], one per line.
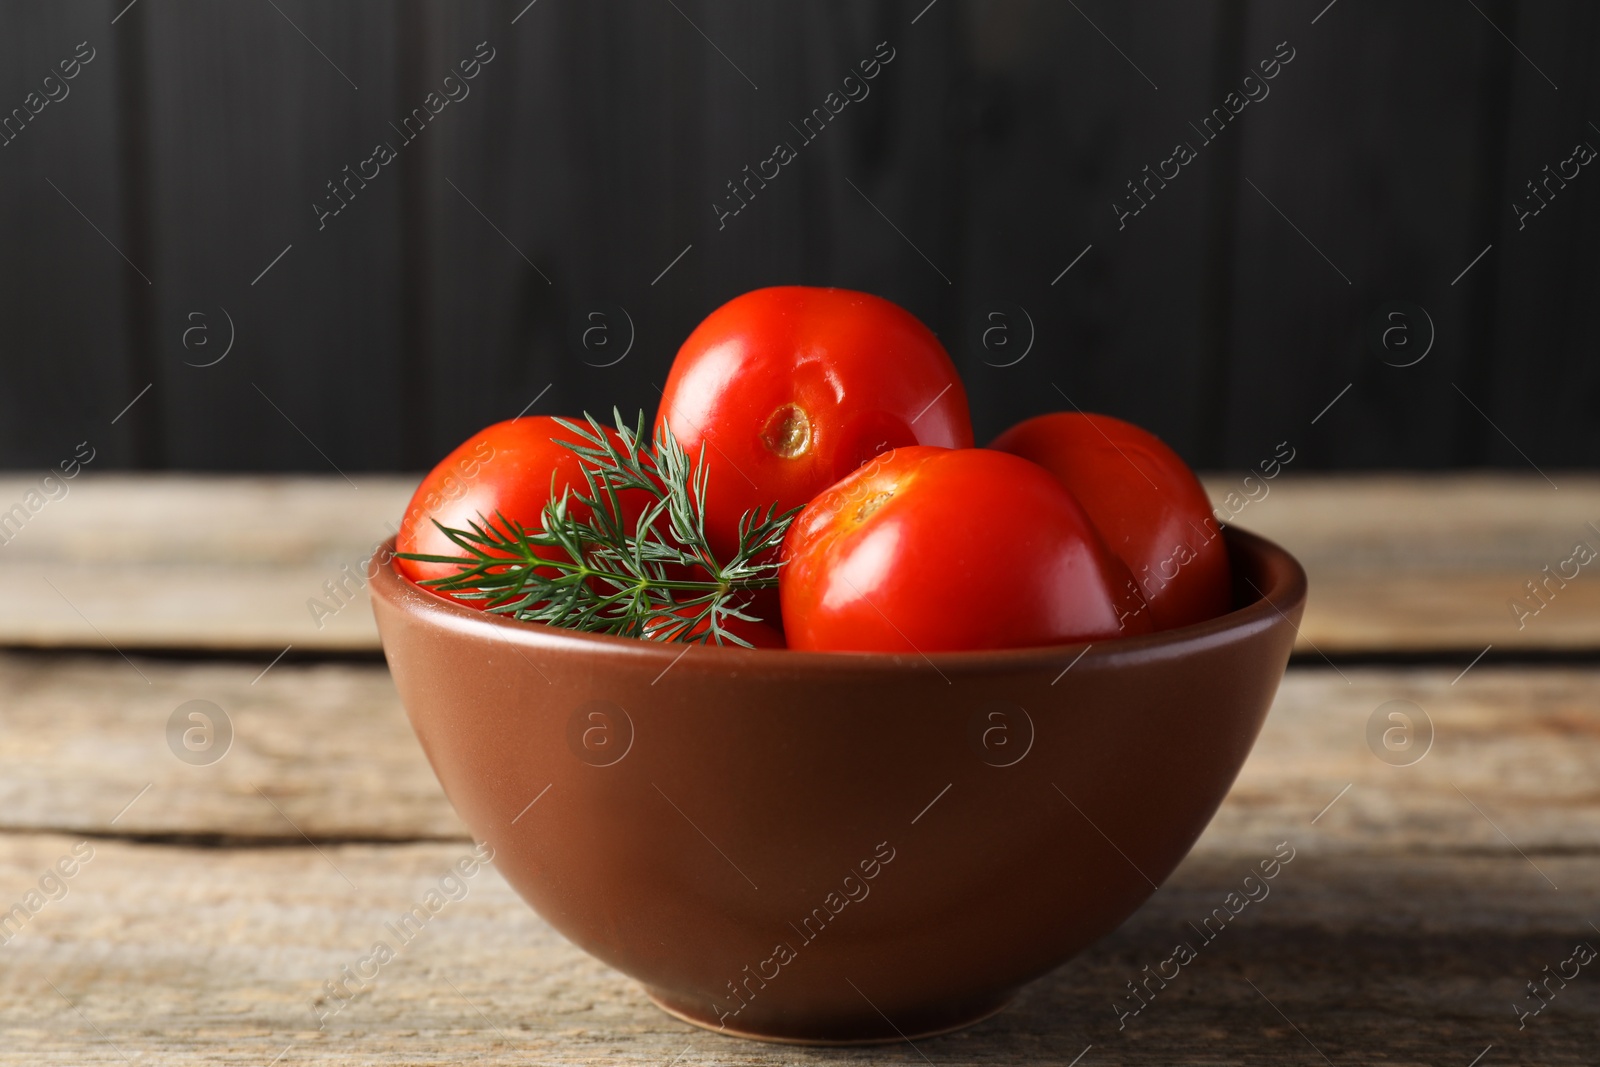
[837, 847]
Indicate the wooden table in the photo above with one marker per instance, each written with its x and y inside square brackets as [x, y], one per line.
[208, 904]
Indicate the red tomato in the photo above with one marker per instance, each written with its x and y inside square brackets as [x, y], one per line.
[1146, 503]
[789, 389]
[505, 469]
[934, 550]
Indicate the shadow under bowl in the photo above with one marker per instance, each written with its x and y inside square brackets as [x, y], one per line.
[837, 847]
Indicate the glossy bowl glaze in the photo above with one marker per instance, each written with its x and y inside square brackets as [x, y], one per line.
[837, 847]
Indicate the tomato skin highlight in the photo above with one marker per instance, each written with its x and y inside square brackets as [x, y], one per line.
[1145, 501]
[932, 550]
[506, 469]
[789, 389]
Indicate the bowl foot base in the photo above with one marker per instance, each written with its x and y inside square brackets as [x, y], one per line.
[876, 1031]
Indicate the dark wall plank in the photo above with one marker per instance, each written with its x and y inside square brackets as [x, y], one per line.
[65, 289]
[253, 110]
[1541, 380]
[1063, 113]
[602, 198]
[1374, 144]
[456, 287]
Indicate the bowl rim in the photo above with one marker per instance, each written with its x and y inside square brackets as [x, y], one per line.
[1269, 568]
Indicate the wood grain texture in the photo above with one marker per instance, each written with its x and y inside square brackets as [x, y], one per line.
[1419, 902]
[1417, 564]
[325, 751]
[196, 562]
[183, 955]
[1397, 563]
[220, 898]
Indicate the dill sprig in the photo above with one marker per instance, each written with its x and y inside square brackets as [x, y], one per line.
[659, 580]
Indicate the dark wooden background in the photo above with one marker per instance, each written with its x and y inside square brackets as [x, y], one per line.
[455, 288]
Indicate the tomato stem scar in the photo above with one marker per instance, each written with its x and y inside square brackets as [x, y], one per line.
[788, 432]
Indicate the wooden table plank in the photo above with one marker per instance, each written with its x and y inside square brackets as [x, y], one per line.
[323, 749]
[1397, 563]
[330, 747]
[195, 562]
[1421, 900]
[1402, 931]
[181, 955]
[1425, 563]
